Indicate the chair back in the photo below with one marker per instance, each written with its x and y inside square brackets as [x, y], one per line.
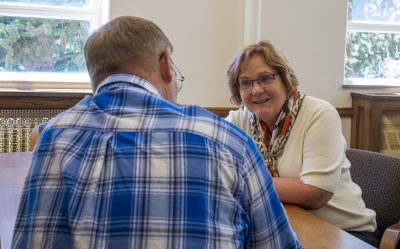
[378, 176]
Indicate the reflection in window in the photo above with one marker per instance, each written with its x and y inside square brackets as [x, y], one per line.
[374, 10]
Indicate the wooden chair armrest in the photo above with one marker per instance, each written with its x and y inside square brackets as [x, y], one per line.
[391, 237]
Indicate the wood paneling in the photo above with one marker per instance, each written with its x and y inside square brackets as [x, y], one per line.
[64, 100]
[39, 100]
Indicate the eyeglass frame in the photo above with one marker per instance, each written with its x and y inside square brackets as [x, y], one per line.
[272, 77]
[179, 78]
[176, 70]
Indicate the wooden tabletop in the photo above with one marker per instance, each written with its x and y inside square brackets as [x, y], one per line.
[315, 233]
[312, 231]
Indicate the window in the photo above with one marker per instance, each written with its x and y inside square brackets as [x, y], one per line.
[373, 43]
[41, 41]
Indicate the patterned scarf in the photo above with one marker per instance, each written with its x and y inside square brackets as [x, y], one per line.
[271, 147]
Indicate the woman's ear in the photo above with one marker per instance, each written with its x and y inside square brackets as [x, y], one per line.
[165, 65]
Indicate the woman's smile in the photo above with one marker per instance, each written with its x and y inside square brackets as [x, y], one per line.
[261, 101]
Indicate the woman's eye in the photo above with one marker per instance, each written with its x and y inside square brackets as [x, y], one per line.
[245, 83]
[264, 79]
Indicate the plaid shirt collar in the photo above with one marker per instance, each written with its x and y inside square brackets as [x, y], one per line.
[129, 79]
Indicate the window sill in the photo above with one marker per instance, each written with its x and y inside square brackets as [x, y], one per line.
[44, 81]
[371, 83]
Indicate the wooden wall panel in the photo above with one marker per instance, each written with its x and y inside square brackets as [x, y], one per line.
[64, 100]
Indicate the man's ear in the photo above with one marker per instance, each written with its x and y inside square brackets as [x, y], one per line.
[165, 67]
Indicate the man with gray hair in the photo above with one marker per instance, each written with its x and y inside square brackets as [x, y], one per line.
[130, 168]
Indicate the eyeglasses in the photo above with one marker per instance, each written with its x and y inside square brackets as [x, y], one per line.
[245, 85]
[179, 78]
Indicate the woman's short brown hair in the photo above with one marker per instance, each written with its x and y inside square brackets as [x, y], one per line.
[273, 57]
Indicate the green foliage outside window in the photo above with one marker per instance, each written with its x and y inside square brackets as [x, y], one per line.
[373, 54]
[42, 45]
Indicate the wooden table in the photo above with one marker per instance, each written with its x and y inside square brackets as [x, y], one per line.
[312, 231]
[315, 233]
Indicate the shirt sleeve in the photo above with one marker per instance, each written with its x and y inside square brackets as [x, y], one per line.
[240, 118]
[41, 214]
[268, 225]
[324, 148]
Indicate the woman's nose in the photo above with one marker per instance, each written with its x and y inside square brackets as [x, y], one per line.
[257, 88]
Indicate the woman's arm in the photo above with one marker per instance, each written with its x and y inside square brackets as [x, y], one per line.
[34, 137]
[293, 191]
[322, 148]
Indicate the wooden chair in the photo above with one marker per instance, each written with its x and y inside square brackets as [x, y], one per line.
[378, 176]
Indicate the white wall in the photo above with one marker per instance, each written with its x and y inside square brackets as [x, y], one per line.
[207, 33]
[312, 35]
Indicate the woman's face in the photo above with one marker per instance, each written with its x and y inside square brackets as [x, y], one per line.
[264, 101]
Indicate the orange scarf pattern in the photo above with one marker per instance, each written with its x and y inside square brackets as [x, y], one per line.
[271, 147]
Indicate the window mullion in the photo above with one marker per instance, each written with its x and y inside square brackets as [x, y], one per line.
[372, 27]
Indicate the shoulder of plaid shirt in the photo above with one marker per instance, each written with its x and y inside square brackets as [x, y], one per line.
[129, 169]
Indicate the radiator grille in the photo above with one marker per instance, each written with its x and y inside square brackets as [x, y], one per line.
[390, 134]
[17, 124]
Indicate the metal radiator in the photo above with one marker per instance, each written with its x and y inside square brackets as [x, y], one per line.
[16, 126]
[390, 134]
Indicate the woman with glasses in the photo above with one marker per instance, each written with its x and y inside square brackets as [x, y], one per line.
[299, 137]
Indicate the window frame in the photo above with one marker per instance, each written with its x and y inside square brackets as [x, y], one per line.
[96, 13]
[373, 27]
